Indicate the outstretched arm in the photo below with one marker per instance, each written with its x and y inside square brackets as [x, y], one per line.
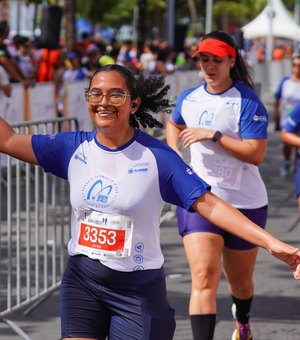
[230, 219]
[16, 145]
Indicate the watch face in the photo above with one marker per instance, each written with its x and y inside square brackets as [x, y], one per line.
[216, 136]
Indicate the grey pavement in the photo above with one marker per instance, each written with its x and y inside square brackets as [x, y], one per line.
[276, 305]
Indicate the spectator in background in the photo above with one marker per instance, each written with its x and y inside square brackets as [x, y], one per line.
[287, 96]
[278, 53]
[113, 49]
[84, 42]
[127, 57]
[91, 60]
[107, 59]
[164, 61]
[48, 63]
[148, 58]
[98, 42]
[10, 65]
[260, 54]
[24, 58]
[4, 83]
[76, 71]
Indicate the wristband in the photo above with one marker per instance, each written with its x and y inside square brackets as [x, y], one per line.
[216, 136]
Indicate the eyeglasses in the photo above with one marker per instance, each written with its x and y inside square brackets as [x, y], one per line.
[115, 98]
[296, 65]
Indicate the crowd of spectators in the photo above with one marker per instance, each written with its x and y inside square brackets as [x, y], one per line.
[22, 60]
[25, 62]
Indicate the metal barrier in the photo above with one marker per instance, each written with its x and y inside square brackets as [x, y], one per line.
[34, 228]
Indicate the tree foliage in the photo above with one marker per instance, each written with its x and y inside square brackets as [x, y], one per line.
[114, 13]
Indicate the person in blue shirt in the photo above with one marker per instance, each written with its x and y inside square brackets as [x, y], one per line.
[120, 178]
[287, 96]
[290, 134]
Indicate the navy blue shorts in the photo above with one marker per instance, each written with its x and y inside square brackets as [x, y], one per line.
[97, 302]
[193, 222]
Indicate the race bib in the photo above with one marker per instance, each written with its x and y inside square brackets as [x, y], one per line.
[105, 235]
[223, 172]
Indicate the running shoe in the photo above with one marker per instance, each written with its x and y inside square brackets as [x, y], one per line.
[242, 330]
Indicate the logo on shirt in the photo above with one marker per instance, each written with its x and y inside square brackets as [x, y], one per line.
[257, 118]
[139, 247]
[81, 157]
[191, 98]
[206, 119]
[100, 192]
[139, 168]
[138, 259]
[52, 136]
[189, 170]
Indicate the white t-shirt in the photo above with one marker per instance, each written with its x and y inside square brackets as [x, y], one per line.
[134, 180]
[239, 114]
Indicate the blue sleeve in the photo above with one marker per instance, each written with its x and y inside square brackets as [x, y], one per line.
[176, 114]
[54, 152]
[179, 184]
[278, 92]
[293, 121]
[254, 116]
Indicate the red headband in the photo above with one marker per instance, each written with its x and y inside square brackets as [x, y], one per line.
[216, 47]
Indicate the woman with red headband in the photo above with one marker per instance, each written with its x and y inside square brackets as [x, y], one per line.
[225, 125]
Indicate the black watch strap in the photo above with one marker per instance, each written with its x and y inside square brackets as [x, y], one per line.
[216, 136]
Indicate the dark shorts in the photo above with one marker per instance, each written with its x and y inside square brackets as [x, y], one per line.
[97, 302]
[297, 177]
[193, 222]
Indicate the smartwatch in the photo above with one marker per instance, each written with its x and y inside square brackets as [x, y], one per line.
[216, 136]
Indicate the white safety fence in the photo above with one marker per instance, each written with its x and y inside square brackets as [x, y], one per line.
[34, 228]
[41, 101]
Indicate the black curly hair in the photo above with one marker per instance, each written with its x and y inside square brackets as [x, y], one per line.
[152, 90]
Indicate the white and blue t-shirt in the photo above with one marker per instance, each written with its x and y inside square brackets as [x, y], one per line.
[288, 92]
[293, 123]
[239, 114]
[134, 180]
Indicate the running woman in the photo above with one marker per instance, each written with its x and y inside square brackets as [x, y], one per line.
[225, 125]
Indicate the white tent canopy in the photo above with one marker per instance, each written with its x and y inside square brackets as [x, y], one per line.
[283, 24]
